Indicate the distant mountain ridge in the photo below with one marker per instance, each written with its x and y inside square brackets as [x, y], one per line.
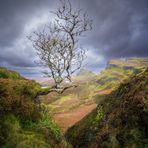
[118, 70]
[128, 63]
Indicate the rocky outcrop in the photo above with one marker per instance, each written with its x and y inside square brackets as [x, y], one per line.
[129, 63]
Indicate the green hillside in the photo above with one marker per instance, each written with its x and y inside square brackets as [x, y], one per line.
[24, 123]
[5, 73]
[119, 70]
[85, 72]
[120, 120]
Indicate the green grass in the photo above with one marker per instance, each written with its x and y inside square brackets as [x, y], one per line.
[63, 99]
[45, 122]
[5, 73]
[13, 135]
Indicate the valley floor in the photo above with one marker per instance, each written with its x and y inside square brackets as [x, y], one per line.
[67, 119]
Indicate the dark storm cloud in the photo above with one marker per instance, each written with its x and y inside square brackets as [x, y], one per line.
[14, 14]
[120, 29]
[15, 59]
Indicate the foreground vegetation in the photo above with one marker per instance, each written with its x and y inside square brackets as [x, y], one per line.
[120, 120]
[24, 123]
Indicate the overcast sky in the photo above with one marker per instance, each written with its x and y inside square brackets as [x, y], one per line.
[120, 30]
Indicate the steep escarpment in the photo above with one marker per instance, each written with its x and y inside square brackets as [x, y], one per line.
[119, 70]
[120, 120]
[129, 63]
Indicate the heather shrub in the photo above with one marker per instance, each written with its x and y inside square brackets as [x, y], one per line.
[19, 97]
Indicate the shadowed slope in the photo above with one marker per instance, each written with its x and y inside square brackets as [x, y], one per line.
[120, 120]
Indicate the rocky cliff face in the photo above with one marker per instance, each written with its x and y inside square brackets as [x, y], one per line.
[119, 70]
[128, 64]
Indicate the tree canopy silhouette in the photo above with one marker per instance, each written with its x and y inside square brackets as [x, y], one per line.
[57, 44]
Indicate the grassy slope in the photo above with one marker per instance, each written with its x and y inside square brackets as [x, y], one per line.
[71, 98]
[5, 73]
[23, 122]
[120, 120]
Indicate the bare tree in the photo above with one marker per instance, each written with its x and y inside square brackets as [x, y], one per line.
[57, 43]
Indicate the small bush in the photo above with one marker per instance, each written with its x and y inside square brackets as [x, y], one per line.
[4, 73]
[14, 136]
[45, 124]
[24, 122]
[18, 97]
